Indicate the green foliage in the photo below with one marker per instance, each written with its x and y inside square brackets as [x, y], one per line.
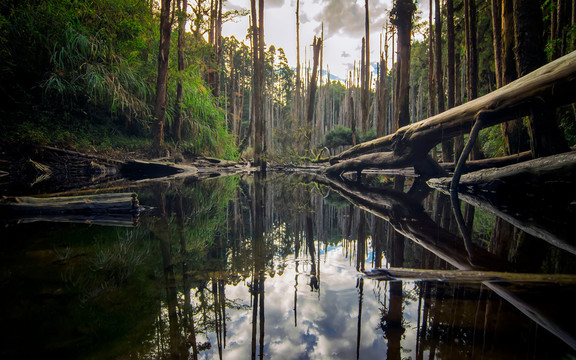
[370, 135]
[492, 141]
[568, 123]
[73, 69]
[338, 136]
[86, 70]
[483, 227]
[342, 136]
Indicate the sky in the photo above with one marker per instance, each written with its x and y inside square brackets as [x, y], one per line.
[343, 28]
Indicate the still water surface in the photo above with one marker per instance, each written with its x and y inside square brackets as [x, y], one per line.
[244, 267]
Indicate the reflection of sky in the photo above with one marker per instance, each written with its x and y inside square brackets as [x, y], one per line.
[327, 321]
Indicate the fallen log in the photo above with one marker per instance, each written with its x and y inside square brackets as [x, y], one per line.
[126, 203]
[103, 219]
[406, 216]
[467, 276]
[545, 171]
[553, 83]
[533, 196]
[551, 318]
[475, 165]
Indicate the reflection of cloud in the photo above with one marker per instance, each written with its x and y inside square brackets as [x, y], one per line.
[345, 54]
[327, 321]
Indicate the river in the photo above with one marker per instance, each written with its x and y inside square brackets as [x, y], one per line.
[242, 267]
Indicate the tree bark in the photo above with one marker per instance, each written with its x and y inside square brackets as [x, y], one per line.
[382, 96]
[366, 65]
[512, 130]
[316, 46]
[431, 67]
[404, 10]
[258, 103]
[177, 131]
[497, 39]
[546, 138]
[447, 145]
[297, 101]
[162, 79]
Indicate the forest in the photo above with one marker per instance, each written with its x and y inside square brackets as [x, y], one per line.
[152, 78]
[167, 191]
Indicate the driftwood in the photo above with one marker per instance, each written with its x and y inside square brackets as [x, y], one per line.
[468, 276]
[114, 203]
[553, 84]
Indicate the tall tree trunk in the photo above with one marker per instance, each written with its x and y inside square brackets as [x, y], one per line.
[511, 130]
[447, 145]
[431, 67]
[316, 46]
[450, 45]
[497, 38]
[162, 80]
[218, 48]
[233, 91]
[403, 21]
[546, 137]
[472, 61]
[363, 85]
[366, 65]
[471, 49]
[258, 103]
[177, 130]
[298, 97]
[382, 91]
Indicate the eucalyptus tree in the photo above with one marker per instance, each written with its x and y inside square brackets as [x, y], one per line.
[401, 16]
[162, 78]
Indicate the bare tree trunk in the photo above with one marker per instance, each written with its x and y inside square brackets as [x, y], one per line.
[511, 129]
[546, 137]
[403, 21]
[316, 46]
[258, 103]
[447, 145]
[366, 79]
[232, 85]
[431, 67]
[382, 90]
[177, 130]
[162, 80]
[497, 36]
[298, 70]
[472, 61]
[452, 71]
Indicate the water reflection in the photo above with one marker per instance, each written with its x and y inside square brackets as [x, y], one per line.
[254, 267]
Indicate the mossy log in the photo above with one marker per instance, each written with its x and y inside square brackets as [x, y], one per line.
[553, 84]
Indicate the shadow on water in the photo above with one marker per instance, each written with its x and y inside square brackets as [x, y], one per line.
[270, 267]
